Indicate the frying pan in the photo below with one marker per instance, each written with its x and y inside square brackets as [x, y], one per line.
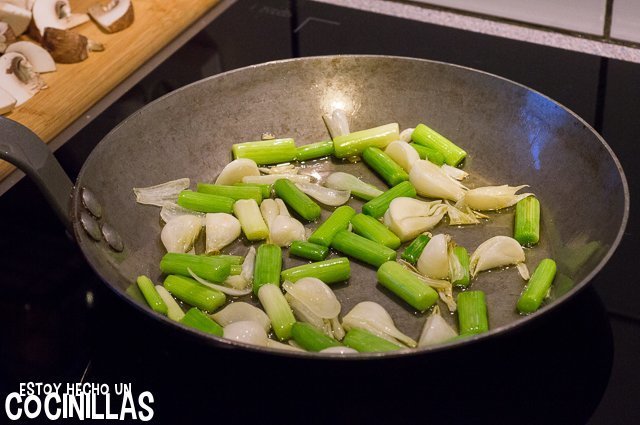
[513, 135]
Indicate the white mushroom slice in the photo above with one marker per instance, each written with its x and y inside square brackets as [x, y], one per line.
[113, 16]
[408, 217]
[314, 302]
[221, 229]
[7, 36]
[234, 171]
[325, 195]
[498, 251]
[374, 318]
[436, 330]
[434, 260]
[18, 78]
[7, 102]
[494, 197]
[180, 233]
[246, 331]
[37, 56]
[18, 18]
[161, 193]
[405, 135]
[403, 154]
[240, 311]
[55, 14]
[430, 181]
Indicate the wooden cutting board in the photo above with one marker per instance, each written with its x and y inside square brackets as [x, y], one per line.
[74, 88]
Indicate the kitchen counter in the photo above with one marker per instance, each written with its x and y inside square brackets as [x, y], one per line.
[78, 92]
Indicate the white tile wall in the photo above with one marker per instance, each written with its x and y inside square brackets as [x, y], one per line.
[625, 21]
[576, 15]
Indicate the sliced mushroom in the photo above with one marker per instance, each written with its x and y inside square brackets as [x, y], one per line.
[18, 78]
[68, 46]
[113, 16]
[24, 4]
[17, 17]
[56, 14]
[7, 36]
[38, 57]
[7, 102]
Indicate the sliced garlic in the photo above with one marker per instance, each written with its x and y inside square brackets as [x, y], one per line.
[408, 217]
[221, 230]
[403, 154]
[180, 233]
[236, 170]
[280, 169]
[430, 181]
[374, 318]
[161, 193]
[494, 197]
[498, 251]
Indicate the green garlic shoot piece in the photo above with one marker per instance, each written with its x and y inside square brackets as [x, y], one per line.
[174, 312]
[430, 181]
[325, 195]
[180, 233]
[373, 318]
[224, 289]
[246, 331]
[221, 229]
[346, 181]
[337, 123]
[409, 217]
[402, 153]
[436, 330]
[271, 178]
[172, 210]
[312, 301]
[245, 278]
[161, 193]
[237, 170]
[239, 312]
[494, 197]
[283, 229]
[444, 287]
[498, 251]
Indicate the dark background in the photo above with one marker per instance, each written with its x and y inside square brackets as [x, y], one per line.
[581, 365]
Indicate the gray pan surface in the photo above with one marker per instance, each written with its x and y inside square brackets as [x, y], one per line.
[513, 135]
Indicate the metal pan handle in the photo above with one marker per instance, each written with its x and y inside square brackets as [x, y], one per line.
[24, 149]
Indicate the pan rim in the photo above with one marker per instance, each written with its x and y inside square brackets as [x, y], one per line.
[487, 336]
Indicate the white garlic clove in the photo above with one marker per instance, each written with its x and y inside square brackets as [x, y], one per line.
[374, 318]
[316, 295]
[498, 251]
[436, 330]
[286, 229]
[180, 233]
[494, 197]
[270, 210]
[221, 230]
[161, 193]
[430, 181]
[408, 217]
[325, 195]
[405, 135]
[249, 332]
[403, 154]
[240, 312]
[434, 260]
[237, 170]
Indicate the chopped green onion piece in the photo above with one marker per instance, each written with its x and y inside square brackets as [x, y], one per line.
[212, 269]
[204, 202]
[151, 295]
[297, 199]
[380, 204]
[415, 248]
[196, 319]
[538, 286]
[192, 293]
[361, 248]
[329, 271]
[353, 144]
[526, 229]
[174, 311]
[311, 338]
[308, 250]
[251, 221]
[463, 257]
[370, 228]
[231, 259]
[338, 220]
[278, 310]
[406, 285]
[429, 154]
[234, 269]
[366, 342]
[358, 188]
[233, 192]
[266, 151]
[265, 189]
[268, 266]
[384, 166]
[472, 313]
[426, 136]
[314, 150]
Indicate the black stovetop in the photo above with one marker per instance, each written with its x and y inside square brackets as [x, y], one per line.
[60, 323]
